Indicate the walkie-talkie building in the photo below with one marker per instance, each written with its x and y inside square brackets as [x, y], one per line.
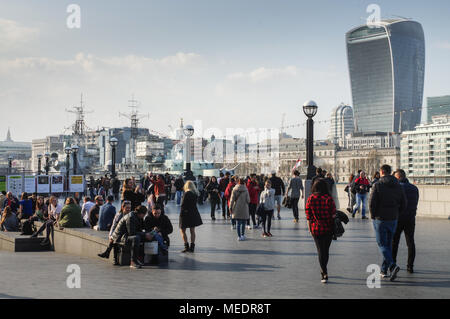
[387, 66]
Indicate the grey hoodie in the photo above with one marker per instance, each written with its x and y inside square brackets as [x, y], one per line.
[239, 202]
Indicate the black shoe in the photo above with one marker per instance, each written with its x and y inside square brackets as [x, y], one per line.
[138, 262]
[353, 215]
[104, 255]
[186, 248]
[364, 217]
[394, 273]
[410, 269]
[34, 235]
[191, 249]
[45, 242]
[164, 252]
[213, 218]
[349, 210]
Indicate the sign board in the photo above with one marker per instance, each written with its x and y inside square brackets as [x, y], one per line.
[29, 183]
[76, 184]
[43, 184]
[57, 184]
[2, 183]
[15, 185]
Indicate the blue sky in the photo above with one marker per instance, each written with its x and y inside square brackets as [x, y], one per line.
[228, 63]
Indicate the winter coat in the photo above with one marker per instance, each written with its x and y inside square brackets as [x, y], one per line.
[253, 191]
[128, 226]
[267, 198]
[412, 199]
[387, 200]
[239, 202]
[71, 217]
[163, 223]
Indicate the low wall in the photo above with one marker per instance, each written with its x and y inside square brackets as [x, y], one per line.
[84, 242]
[434, 200]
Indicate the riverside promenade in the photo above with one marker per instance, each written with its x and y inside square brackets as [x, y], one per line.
[284, 266]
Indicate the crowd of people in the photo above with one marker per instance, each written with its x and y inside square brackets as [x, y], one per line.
[248, 202]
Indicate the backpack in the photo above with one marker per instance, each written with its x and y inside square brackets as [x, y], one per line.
[28, 228]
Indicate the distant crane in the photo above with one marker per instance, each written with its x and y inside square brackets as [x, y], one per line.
[79, 128]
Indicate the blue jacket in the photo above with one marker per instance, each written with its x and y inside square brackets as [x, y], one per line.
[412, 199]
[106, 216]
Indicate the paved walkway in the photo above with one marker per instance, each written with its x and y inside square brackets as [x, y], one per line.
[284, 266]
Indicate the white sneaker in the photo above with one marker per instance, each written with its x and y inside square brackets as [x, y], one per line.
[249, 227]
[239, 238]
[243, 237]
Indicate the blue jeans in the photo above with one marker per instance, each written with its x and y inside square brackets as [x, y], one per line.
[385, 230]
[179, 195]
[159, 239]
[241, 227]
[360, 199]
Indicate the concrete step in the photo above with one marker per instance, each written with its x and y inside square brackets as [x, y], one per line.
[13, 241]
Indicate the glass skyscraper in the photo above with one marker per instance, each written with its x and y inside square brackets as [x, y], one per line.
[341, 122]
[387, 67]
[437, 105]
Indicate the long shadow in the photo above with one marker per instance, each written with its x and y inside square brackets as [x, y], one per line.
[431, 284]
[196, 265]
[253, 252]
[6, 296]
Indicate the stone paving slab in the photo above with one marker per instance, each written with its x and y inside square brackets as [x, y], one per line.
[284, 266]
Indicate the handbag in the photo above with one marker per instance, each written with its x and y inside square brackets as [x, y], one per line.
[287, 202]
[260, 210]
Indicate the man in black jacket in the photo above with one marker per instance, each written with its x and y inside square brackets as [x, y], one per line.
[130, 230]
[278, 185]
[387, 202]
[407, 220]
[160, 225]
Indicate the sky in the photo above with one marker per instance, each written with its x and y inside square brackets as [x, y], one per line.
[230, 64]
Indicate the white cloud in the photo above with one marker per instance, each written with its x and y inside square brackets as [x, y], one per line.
[263, 74]
[14, 35]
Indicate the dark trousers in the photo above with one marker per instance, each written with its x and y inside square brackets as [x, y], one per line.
[294, 203]
[407, 226]
[135, 243]
[160, 201]
[201, 197]
[213, 203]
[267, 217]
[323, 243]
[48, 226]
[167, 189]
[252, 211]
[225, 206]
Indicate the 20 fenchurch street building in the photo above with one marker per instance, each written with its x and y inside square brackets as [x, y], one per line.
[387, 67]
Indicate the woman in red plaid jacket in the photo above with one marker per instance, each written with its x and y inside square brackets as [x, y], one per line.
[320, 212]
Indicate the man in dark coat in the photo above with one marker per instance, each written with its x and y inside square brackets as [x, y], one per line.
[407, 220]
[160, 224]
[130, 230]
[387, 202]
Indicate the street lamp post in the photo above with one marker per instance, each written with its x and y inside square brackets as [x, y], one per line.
[39, 157]
[75, 149]
[188, 131]
[310, 110]
[47, 162]
[10, 159]
[113, 142]
[67, 150]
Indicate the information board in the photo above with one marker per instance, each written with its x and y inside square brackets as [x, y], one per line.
[15, 185]
[76, 184]
[2, 183]
[43, 184]
[29, 183]
[57, 184]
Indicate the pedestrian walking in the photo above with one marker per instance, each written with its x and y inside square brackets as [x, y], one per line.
[361, 188]
[296, 187]
[406, 220]
[320, 212]
[213, 194]
[387, 202]
[189, 215]
[267, 200]
[239, 207]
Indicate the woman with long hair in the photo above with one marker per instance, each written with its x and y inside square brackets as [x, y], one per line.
[189, 215]
[320, 212]
[135, 195]
[267, 201]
